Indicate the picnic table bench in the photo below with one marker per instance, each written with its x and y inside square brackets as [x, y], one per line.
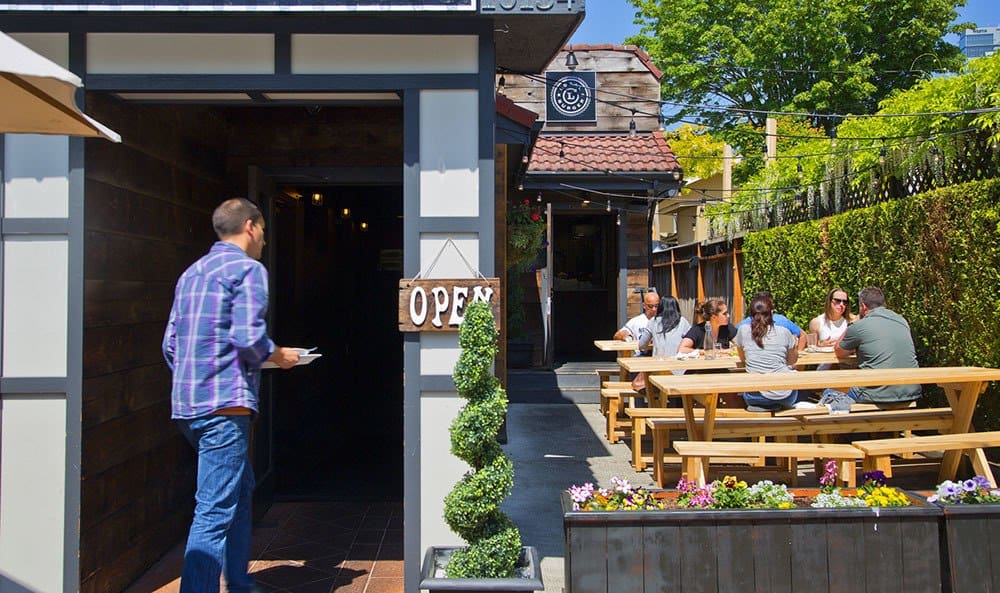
[962, 386]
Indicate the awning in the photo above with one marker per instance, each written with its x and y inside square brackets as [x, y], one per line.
[38, 96]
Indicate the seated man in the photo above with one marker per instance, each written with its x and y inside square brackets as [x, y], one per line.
[631, 330]
[882, 340]
[779, 321]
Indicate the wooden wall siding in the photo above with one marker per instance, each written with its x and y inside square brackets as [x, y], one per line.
[636, 269]
[147, 217]
[292, 137]
[617, 72]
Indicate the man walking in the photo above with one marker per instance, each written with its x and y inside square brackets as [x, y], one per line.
[215, 342]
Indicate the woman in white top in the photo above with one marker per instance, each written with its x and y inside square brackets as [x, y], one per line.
[666, 329]
[832, 323]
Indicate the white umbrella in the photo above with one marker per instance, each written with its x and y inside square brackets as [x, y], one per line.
[36, 95]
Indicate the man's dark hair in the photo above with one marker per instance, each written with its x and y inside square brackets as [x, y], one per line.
[228, 218]
[872, 297]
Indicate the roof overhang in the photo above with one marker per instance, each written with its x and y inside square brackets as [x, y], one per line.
[528, 37]
[660, 184]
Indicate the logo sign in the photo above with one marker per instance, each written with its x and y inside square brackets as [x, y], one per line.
[439, 305]
[570, 96]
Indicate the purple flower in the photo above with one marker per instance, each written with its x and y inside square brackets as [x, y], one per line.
[876, 477]
[581, 493]
[970, 486]
[982, 482]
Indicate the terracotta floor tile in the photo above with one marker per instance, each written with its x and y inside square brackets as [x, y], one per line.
[385, 585]
[388, 568]
[311, 547]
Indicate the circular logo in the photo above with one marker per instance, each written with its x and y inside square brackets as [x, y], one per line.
[571, 96]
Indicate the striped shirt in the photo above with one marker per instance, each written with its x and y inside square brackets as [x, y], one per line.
[216, 337]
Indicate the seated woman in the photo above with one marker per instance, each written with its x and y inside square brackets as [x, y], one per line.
[666, 329]
[830, 325]
[766, 348]
[715, 312]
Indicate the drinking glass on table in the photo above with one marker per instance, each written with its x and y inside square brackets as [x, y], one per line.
[812, 340]
[717, 350]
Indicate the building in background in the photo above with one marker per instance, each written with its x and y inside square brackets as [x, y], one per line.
[599, 166]
[976, 43]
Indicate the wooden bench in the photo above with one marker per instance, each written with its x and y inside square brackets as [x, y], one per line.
[693, 454]
[612, 405]
[877, 451]
[638, 418]
[759, 427]
[790, 424]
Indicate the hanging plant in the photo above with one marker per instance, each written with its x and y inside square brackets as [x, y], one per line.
[525, 233]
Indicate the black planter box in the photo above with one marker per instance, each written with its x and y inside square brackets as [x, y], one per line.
[743, 551]
[970, 547]
[528, 564]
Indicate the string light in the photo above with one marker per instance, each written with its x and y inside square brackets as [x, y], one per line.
[608, 209]
[618, 221]
[501, 84]
[631, 124]
[539, 198]
[562, 153]
[586, 202]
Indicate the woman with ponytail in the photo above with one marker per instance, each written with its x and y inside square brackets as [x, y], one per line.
[766, 348]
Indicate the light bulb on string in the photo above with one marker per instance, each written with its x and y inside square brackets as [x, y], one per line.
[539, 197]
[609, 206]
[618, 221]
[631, 124]
[562, 153]
[586, 202]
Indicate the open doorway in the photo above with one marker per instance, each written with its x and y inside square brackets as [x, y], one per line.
[338, 423]
[583, 287]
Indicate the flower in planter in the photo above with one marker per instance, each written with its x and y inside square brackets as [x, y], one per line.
[974, 491]
[620, 497]
[873, 491]
[730, 493]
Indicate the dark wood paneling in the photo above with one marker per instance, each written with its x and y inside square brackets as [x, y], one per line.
[110, 396]
[147, 217]
[121, 347]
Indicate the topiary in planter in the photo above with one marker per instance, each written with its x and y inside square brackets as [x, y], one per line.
[472, 508]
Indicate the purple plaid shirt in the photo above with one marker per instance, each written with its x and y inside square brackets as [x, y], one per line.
[216, 338]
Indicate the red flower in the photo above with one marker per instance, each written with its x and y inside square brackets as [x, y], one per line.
[527, 201]
[535, 217]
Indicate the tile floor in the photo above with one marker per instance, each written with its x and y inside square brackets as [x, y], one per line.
[312, 547]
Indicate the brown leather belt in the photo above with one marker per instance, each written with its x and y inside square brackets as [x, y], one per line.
[234, 411]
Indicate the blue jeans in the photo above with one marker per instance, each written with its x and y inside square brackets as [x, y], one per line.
[220, 532]
[754, 398]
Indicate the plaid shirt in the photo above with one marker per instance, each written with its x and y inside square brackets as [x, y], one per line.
[216, 337]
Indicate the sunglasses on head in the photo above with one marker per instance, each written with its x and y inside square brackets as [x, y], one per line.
[839, 301]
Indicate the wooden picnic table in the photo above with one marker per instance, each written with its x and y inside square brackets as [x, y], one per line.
[626, 347]
[962, 386]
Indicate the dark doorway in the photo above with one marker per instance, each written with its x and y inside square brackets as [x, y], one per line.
[338, 422]
[583, 286]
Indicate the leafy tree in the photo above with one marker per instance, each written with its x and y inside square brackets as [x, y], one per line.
[821, 56]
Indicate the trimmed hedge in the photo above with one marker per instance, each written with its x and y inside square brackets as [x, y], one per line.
[936, 256]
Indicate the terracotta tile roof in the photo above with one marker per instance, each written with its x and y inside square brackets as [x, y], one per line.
[638, 51]
[603, 152]
[515, 112]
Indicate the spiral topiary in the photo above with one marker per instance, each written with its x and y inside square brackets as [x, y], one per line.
[472, 508]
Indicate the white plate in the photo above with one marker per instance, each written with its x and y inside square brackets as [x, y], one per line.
[306, 356]
[820, 348]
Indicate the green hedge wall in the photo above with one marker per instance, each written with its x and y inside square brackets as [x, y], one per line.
[935, 255]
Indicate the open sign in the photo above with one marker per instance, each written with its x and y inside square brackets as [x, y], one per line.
[439, 305]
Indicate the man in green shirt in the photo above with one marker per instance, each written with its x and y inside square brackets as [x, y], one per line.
[881, 339]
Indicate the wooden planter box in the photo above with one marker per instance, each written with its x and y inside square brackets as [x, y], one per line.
[742, 551]
[970, 547]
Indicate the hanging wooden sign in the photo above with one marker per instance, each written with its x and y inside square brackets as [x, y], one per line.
[439, 304]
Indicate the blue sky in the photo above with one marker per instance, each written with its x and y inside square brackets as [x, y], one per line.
[610, 21]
